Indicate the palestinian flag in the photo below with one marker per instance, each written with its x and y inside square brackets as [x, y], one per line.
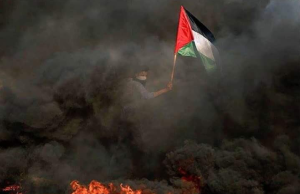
[195, 40]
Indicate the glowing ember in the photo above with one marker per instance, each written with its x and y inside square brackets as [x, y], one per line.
[13, 189]
[98, 188]
[195, 180]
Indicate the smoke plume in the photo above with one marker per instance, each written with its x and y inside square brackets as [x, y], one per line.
[62, 68]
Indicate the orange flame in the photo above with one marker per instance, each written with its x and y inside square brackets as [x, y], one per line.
[98, 188]
[13, 189]
[195, 180]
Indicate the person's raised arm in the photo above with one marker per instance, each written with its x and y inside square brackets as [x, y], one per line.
[162, 91]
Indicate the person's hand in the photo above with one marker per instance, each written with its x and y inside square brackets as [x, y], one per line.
[170, 85]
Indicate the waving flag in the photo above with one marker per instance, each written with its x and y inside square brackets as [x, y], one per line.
[195, 40]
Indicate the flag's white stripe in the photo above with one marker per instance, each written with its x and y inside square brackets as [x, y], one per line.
[204, 46]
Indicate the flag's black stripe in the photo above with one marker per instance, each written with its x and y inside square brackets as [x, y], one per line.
[197, 26]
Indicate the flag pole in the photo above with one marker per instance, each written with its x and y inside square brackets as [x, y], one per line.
[172, 75]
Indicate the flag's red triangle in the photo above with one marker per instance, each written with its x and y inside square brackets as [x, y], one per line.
[184, 32]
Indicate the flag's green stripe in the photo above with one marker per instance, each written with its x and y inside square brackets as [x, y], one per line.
[188, 50]
[209, 64]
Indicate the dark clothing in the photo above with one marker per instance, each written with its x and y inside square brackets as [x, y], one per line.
[134, 94]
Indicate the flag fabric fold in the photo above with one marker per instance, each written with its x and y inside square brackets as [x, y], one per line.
[195, 40]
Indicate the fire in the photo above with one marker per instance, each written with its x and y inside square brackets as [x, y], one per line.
[96, 187]
[195, 180]
[12, 189]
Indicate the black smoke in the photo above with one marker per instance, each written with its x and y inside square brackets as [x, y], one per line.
[62, 65]
[239, 166]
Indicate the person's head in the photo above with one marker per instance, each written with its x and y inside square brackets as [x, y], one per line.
[141, 74]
